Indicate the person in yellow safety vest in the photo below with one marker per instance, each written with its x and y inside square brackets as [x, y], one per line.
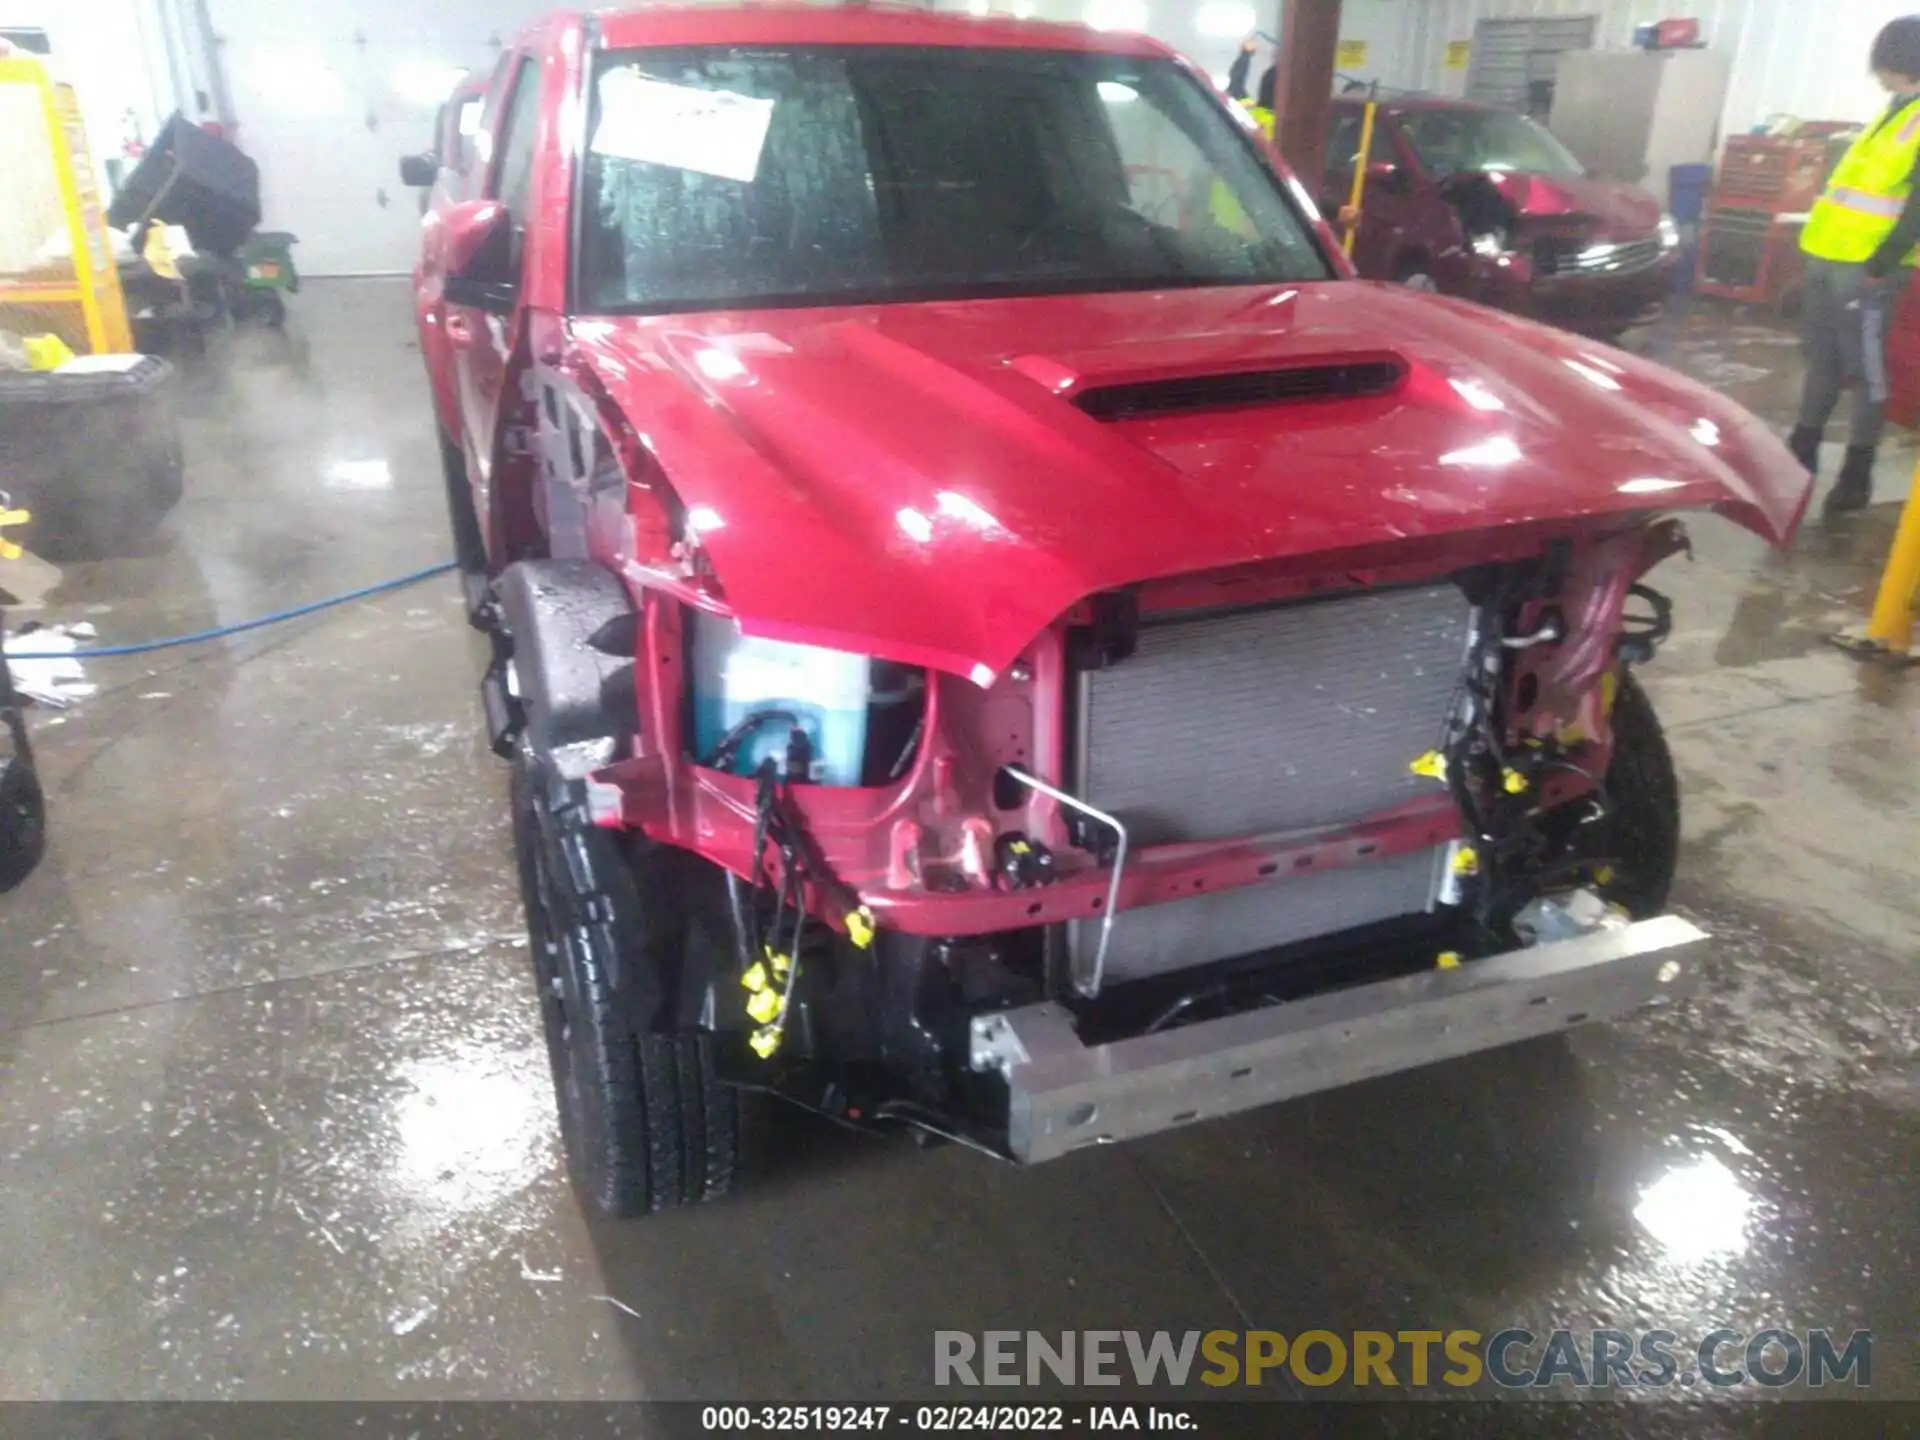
[1858, 242]
[1260, 106]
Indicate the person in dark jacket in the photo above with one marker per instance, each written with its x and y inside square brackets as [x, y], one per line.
[1859, 247]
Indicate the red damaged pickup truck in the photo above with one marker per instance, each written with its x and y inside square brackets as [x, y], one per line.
[996, 631]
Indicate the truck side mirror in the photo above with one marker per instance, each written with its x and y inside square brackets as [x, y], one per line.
[419, 171]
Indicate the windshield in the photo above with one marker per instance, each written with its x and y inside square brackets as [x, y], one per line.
[1450, 140]
[725, 177]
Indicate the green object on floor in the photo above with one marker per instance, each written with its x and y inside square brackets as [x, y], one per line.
[267, 257]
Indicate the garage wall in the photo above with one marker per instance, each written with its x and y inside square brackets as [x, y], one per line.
[1209, 32]
[328, 95]
[1788, 55]
[117, 56]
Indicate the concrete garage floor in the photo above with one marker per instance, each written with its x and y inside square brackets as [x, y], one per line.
[275, 1119]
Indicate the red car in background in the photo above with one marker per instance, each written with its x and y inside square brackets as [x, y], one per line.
[1486, 204]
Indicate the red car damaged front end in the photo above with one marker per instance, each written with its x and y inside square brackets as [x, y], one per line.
[1588, 254]
[1203, 631]
[997, 632]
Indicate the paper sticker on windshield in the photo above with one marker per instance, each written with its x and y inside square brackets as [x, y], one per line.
[711, 132]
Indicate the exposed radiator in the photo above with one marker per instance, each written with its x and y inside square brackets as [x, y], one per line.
[1262, 722]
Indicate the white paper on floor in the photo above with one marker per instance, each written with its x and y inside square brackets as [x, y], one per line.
[59, 680]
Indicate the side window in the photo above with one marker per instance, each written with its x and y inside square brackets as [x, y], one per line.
[513, 168]
[1343, 143]
[466, 126]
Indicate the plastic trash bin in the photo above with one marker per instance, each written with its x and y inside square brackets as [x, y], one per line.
[93, 450]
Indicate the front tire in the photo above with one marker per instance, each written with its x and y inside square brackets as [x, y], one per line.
[646, 1123]
[1629, 853]
[1642, 829]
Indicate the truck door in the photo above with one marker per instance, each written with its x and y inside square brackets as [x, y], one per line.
[482, 339]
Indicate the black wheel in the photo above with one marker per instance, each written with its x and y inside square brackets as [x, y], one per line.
[23, 820]
[469, 545]
[646, 1123]
[1632, 850]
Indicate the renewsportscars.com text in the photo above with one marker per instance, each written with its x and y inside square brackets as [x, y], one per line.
[1511, 1358]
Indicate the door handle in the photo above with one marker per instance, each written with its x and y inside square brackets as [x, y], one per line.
[459, 328]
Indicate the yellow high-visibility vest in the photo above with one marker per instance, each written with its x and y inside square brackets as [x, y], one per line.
[1867, 192]
[1262, 116]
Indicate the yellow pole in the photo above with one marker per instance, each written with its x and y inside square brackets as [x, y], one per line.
[1360, 161]
[1891, 628]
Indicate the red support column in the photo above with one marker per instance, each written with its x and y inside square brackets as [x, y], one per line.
[1309, 39]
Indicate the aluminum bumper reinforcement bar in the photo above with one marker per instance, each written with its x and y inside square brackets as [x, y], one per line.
[1064, 1095]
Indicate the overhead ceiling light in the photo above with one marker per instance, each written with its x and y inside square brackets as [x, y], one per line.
[1117, 14]
[1225, 20]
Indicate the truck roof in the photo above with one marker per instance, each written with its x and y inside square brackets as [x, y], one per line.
[776, 23]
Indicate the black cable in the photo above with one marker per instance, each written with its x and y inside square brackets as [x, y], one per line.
[900, 1111]
[724, 753]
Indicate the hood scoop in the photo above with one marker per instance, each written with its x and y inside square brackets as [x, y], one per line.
[1139, 399]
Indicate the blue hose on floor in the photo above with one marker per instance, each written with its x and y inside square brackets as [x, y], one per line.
[199, 637]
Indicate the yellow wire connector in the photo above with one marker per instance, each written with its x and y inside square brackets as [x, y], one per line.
[1466, 861]
[1433, 765]
[1447, 960]
[766, 982]
[764, 1006]
[9, 550]
[860, 927]
[1513, 782]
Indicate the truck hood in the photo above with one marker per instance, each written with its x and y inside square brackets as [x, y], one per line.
[1618, 211]
[922, 482]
